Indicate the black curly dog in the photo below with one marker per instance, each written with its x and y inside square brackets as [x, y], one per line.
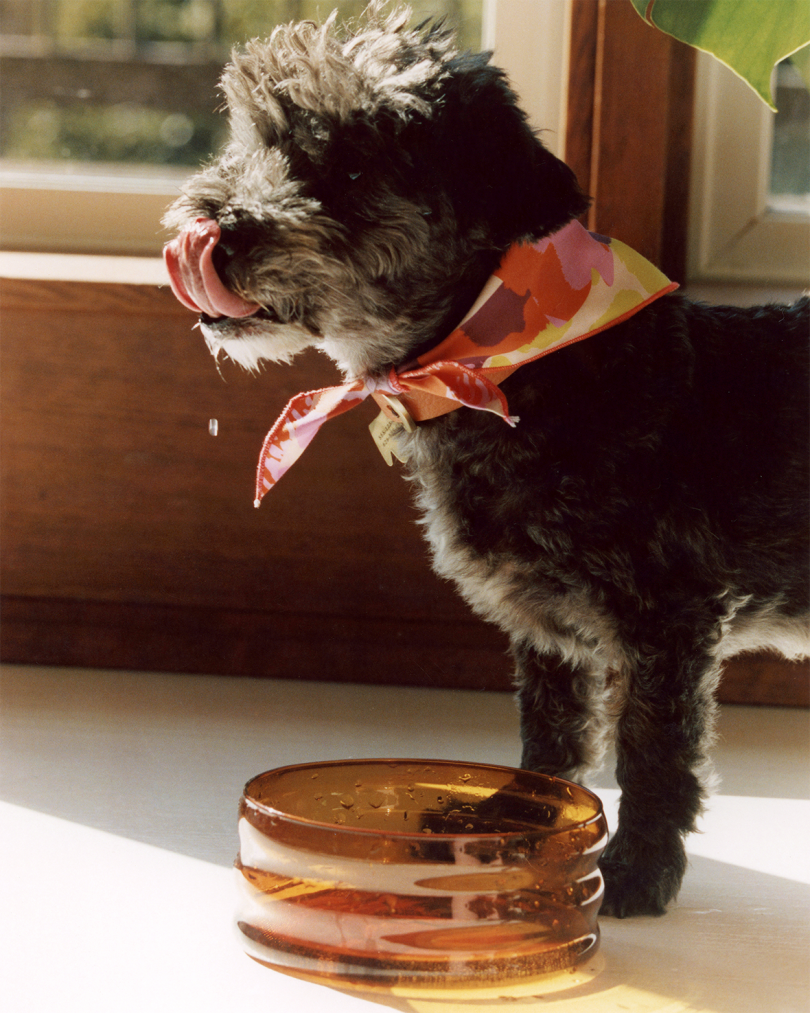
[645, 520]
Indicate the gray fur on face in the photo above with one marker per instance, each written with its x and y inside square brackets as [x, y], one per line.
[322, 283]
[646, 519]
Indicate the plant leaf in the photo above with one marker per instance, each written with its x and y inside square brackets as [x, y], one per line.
[750, 36]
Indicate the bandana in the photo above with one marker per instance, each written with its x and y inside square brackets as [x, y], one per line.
[543, 297]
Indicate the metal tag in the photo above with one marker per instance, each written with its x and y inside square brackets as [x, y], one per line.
[393, 408]
[385, 432]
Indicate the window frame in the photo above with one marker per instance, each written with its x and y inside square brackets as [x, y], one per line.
[113, 210]
[734, 236]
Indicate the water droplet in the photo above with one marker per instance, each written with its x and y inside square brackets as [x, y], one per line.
[347, 801]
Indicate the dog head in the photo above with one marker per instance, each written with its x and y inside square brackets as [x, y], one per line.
[371, 183]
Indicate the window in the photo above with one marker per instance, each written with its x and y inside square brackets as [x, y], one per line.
[789, 186]
[750, 207]
[109, 104]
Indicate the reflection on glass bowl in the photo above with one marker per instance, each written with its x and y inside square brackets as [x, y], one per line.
[418, 876]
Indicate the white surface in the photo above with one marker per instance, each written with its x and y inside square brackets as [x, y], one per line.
[83, 267]
[118, 829]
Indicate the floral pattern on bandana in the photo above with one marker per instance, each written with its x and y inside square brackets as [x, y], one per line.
[543, 297]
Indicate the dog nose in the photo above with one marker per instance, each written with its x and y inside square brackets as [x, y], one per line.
[193, 277]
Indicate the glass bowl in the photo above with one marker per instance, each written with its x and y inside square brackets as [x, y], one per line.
[418, 876]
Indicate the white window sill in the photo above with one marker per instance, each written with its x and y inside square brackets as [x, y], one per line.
[83, 267]
[117, 830]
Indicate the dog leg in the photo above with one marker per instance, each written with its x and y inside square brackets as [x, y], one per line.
[560, 726]
[662, 737]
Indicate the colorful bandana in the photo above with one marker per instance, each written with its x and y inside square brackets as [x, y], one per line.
[543, 297]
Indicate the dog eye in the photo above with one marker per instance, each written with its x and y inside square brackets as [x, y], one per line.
[355, 175]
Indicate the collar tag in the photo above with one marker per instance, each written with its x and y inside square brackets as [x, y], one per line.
[394, 409]
[386, 433]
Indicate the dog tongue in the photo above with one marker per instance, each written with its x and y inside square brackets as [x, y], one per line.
[193, 277]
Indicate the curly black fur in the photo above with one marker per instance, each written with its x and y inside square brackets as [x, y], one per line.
[647, 517]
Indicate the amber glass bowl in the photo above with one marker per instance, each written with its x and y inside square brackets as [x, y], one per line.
[418, 876]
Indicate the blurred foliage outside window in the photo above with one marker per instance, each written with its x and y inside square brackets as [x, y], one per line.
[134, 81]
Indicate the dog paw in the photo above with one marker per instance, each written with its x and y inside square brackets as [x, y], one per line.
[641, 883]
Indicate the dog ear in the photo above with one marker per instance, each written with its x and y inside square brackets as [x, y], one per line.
[497, 172]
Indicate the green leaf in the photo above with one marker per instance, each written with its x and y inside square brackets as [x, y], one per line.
[750, 36]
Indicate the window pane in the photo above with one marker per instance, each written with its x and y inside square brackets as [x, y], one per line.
[790, 156]
[134, 81]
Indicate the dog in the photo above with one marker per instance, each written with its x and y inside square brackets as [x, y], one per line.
[646, 517]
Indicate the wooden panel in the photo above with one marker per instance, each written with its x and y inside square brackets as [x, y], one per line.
[262, 643]
[129, 533]
[629, 153]
[680, 118]
[582, 89]
[628, 136]
[766, 679]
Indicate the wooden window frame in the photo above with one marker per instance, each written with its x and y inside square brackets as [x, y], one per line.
[734, 235]
[628, 138]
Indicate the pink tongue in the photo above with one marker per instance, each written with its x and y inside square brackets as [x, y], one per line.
[193, 277]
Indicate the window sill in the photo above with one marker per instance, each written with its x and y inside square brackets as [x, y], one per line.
[19, 265]
[129, 839]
